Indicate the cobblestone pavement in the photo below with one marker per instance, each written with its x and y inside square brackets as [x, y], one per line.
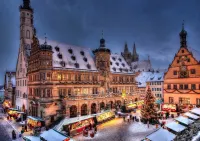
[118, 130]
[4, 135]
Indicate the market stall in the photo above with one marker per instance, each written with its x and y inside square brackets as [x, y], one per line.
[12, 112]
[105, 116]
[53, 135]
[184, 120]
[7, 104]
[169, 107]
[74, 126]
[191, 116]
[161, 135]
[174, 127]
[196, 111]
[35, 122]
[134, 105]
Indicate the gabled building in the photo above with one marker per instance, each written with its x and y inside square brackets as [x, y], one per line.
[182, 80]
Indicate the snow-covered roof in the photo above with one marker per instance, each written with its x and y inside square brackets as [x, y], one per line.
[184, 120]
[142, 78]
[31, 138]
[195, 53]
[175, 126]
[118, 64]
[161, 135]
[68, 121]
[188, 114]
[156, 76]
[143, 65]
[52, 135]
[196, 111]
[71, 57]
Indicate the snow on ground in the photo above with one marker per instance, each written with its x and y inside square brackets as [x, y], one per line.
[118, 130]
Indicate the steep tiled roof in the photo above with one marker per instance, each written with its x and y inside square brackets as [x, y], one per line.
[144, 65]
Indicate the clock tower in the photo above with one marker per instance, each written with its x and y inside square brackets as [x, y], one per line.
[26, 35]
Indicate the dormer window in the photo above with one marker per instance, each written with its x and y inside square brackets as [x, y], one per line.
[88, 66]
[76, 65]
[62, 63]
[182, 51]
[175, 72]
[82, 53]
[117, 63]
[110, 63]
[113, 58]
[120, 59]
[126, 70]
[120, 69]
[123, 64]
[114, 69]
[60, 56]
[192, 71]
[70, 51]
[57, 48]
[73, 58]
[85, 59]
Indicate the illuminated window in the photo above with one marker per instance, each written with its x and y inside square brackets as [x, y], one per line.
[186, 86]
[181, 87]
[59, 76]
[171, 100]
[175, 87]
[169, 86]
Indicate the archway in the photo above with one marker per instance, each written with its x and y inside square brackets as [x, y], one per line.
[73, 111]
[136, 99]
[84, 109]
[102, 105]
[93, 108]
[111, 104]
[118, 103]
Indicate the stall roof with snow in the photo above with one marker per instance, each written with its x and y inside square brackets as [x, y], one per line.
[52, 135]
[175, 126]
[68, 121]
[35, 118]
[190, 115]
[196, 111]
[184, 120]
[31, 138]
[161, 135]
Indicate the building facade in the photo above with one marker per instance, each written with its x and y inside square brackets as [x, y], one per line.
[67, 80]
[26, 35]
[156, 82]
[9, 89]
[182, 80]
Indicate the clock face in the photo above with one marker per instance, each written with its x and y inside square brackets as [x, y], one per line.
[183, 72]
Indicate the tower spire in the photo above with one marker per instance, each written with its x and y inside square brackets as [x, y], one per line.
[183, 35]
[126, 48]
[26, 5]
[45, 42]
[135, 55]
[102, 41]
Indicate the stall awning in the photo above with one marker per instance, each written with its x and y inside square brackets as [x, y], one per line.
[196, 111]
[35, 118]
[184, 120]
[31, 138]
[52, 135]
[175, 126]
[190, 115]
[161, 135]
[13, 109]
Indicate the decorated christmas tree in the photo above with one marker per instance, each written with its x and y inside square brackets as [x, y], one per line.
[149, 112]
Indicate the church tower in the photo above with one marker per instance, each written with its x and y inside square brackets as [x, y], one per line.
[26, 35]
[126, 54]
[135, 56]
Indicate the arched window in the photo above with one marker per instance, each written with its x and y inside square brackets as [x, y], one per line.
[28, 34]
